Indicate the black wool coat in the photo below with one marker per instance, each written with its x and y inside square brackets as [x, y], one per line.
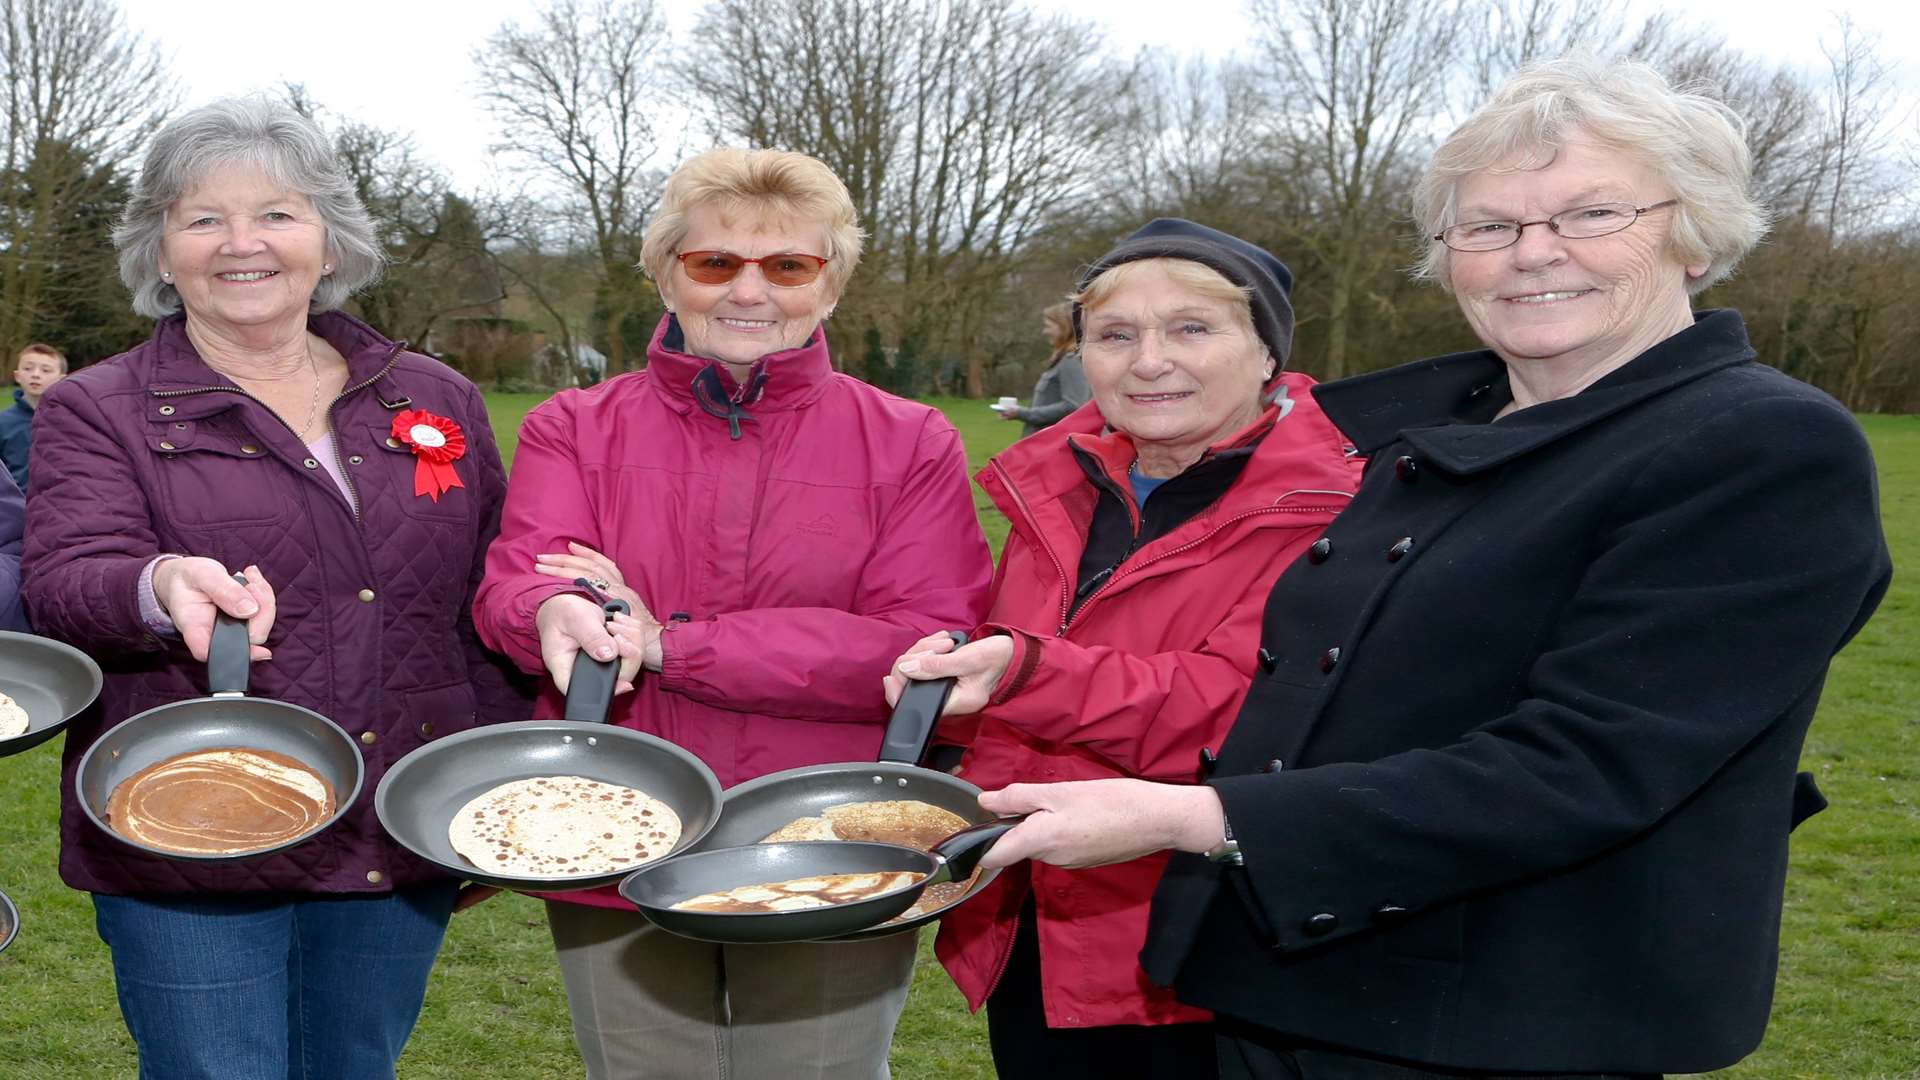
[1515, 786]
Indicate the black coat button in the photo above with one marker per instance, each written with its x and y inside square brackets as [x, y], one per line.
[1389, 913]
[1273, 766]
[1399, 550]
[1319, 925]
[1320, 549]
[1329, 658]
[1406, 468]
[1268, 661]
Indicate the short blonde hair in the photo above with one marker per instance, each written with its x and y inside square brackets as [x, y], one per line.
[1693, 142]
[1184, 273]
[759, 185]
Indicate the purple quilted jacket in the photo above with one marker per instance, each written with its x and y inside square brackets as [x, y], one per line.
[153, 452]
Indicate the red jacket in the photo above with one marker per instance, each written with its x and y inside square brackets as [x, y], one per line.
[805, 553]
[1150, 669]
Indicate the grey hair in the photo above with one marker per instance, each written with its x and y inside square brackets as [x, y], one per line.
[289, 148]
[1692, 141]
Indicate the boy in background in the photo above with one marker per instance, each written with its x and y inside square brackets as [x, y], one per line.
[38, 368]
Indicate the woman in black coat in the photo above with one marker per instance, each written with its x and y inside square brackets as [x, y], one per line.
[1512, 795]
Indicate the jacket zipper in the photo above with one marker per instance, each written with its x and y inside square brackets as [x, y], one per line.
[1122, 570]
[1059, 568]
[353, 501]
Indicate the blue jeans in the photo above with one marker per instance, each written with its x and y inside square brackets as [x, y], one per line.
[307, 987]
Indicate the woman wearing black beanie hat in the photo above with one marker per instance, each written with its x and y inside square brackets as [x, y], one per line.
[1121, 633]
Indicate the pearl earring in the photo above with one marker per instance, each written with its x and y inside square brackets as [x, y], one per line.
[327, 269]
[166, 276]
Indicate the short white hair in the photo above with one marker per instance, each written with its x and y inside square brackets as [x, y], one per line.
[1692, 141]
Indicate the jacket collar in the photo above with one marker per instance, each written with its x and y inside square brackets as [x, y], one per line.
[20, 400]
[177, 365]
[1444, 406]
[788, 379]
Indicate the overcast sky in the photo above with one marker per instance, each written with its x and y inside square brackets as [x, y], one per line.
[406, 65]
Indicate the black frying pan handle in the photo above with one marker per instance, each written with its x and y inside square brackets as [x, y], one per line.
[590, 690]
[229, 653]
[910, 728]
[962, 851]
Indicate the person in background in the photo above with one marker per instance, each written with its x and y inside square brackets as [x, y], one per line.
[1511, 794]
[1062, 386]
[39, 367]
[1124, 624]
[782, 531]
[13, 524]
[260, 429]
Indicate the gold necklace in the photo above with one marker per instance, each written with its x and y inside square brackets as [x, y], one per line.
[313, 409]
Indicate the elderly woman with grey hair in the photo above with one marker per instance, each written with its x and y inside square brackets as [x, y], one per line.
[1512, 792]
[355, 485]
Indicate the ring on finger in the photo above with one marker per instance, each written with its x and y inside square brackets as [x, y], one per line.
[600, 583]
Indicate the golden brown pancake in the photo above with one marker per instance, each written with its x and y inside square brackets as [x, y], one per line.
[225, 801]
[799, 894]
[562, 826]
[13, 718]
[806, 828]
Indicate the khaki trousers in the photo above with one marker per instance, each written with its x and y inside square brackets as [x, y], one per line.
[648, 1005]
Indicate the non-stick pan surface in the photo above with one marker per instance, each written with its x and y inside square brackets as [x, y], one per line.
[52, 680]
[655, 889]
[419, 796]
[227, 719]
[9, 921]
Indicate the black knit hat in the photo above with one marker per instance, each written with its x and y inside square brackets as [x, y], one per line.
[1266, 278]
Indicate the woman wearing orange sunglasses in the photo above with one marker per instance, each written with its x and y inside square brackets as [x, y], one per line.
[782, 532]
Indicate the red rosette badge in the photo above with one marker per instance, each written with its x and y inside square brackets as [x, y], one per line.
[437, 443]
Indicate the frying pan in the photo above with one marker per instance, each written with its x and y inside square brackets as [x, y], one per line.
[655, 889]
[9, 922]
[758, 807]
[229, 718]
[419, 796]
[52, 680]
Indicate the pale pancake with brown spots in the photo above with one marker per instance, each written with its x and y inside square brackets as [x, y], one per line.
[562, 826]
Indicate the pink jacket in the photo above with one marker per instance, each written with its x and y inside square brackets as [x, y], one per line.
[1148, 671]
[793, 552]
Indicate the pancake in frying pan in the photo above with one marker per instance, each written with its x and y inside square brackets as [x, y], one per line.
[907, 822]
[225, 801]
[13, 718]
[562, 826]
[799, 894]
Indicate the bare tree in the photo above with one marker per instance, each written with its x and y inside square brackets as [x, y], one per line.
[575, 96]
[1193, 147]
[435, 240]
[960, 127]
[82, 94]
[1356, 87]
[1506, 35]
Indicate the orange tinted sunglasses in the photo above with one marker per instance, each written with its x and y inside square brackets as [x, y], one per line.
[787, 270]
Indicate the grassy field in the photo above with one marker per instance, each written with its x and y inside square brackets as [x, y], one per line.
[1846, 1005]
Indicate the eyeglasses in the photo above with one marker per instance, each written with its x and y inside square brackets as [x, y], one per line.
[787, 270]
[1579, 223]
